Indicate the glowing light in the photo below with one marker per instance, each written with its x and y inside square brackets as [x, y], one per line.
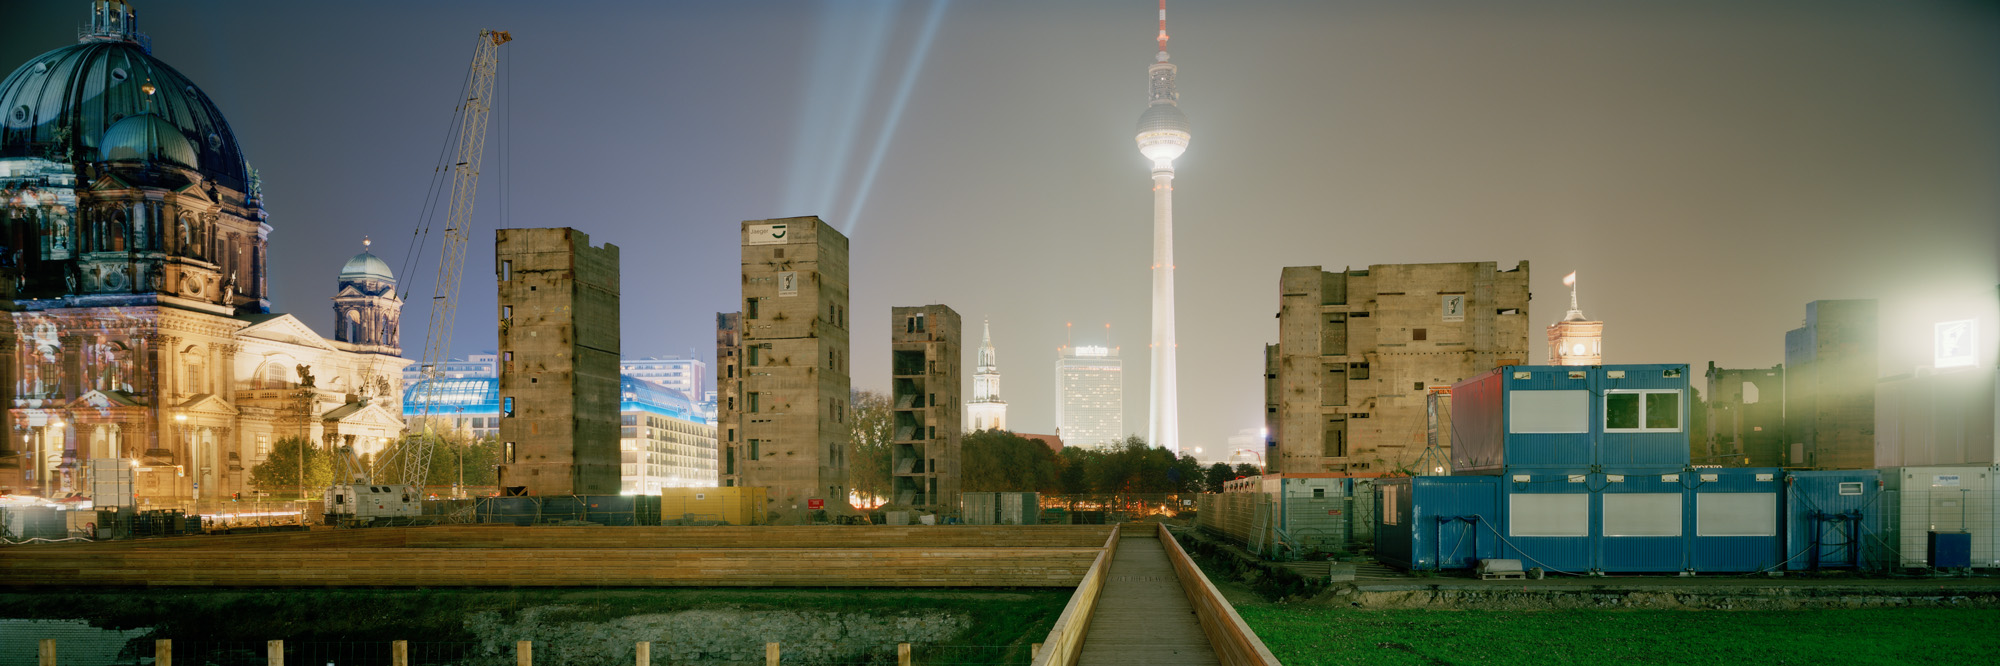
[1570, 280]
[1955, 344]
[895, 117]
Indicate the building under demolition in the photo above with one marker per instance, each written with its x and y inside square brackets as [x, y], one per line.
[784, 390]
[559, 382]
[1359, 350]
[924, 347]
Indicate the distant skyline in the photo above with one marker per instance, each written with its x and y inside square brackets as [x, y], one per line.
[1707, 166]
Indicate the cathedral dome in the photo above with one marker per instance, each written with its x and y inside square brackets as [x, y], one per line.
[150, 138]
[366, 266]
[61, 105]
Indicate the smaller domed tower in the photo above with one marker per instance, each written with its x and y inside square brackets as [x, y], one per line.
[367, 310]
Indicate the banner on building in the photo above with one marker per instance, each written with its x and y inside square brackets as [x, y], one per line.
[767, 234]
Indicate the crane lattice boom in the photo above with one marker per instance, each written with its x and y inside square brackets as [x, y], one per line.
[415, 451]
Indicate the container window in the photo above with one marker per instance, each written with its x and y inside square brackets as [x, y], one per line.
[1736, 514]
[1548, 411]
[1642, 514]
[1642, 411]
[1392, 513]
[1564, 515]
[1850, 487]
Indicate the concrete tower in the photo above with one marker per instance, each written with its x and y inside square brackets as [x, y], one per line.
[986, 411]
[1576, 340]
[1163, 136]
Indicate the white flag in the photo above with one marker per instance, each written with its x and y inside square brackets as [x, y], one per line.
[1570, 280]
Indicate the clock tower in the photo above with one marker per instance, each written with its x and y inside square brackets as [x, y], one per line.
[1576, 340]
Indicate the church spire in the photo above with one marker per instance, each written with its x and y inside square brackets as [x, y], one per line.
[986, 411]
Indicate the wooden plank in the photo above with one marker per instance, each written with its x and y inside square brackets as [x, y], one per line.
[1235, 643]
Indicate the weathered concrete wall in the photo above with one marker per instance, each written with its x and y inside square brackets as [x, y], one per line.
[924, 354]
[1358, 349]
[1745, 432]
[1830, 386]
[792, 409]
[559, 348]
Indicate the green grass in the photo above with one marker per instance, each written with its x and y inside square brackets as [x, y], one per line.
[1302, 635]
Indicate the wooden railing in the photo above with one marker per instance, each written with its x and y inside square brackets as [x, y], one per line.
[588, 556]
[1065, 640]
[1235, 644]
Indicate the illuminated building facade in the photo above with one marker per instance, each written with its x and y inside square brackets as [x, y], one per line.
[1576, 340]
[138, 326]
[687, 375]
[473, 365]
[986, 411]
[663, 440]
[1090, 397]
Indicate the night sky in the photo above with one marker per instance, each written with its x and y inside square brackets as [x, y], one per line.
[1707, 167]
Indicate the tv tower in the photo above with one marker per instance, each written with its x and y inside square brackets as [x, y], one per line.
[1163, 136]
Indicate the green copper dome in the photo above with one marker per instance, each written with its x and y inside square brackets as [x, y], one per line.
[64, 104]
[149, 138]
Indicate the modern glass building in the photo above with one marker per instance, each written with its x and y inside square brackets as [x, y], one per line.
[1090, 397]
[665, 439]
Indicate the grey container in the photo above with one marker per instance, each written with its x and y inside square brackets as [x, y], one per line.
[1019, 509]
[979, 508]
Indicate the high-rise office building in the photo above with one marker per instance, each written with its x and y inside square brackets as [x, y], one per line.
[559, 384]
[1090, 397]
[687, 375]
[784, 412]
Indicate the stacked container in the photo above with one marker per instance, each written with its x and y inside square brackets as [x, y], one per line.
[1833, 520]
[1430, 523]
[1945, 500]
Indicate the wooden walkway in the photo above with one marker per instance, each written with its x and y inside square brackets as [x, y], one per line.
[1143, 616]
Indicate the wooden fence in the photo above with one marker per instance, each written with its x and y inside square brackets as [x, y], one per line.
[1235, 644]
[1065, 640]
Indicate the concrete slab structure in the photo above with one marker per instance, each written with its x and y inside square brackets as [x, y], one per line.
[783, 415]
[924, 347]
[558, 362]
[1746, 417]
[1358, 350]
[1830, 376]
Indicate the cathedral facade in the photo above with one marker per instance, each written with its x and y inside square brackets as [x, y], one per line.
[135, 323]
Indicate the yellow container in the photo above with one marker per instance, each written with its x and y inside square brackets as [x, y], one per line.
[730, 506]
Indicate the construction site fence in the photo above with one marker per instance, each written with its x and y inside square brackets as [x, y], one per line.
[82, 649]
[1294, 527]
[1111, 508]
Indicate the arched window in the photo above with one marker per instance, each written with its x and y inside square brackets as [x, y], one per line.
[275, 375]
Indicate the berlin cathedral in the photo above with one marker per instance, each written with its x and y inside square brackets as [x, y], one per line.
[135, 322]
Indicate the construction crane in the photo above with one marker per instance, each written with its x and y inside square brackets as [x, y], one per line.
[412, 453]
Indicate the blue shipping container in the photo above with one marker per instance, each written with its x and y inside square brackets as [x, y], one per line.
[1736, 513]
[1431, 523]
[1642, 523]
[1548, 521]
[1832, 519]
[1571, 419]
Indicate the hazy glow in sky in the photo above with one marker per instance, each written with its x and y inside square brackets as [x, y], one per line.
[1708, 166]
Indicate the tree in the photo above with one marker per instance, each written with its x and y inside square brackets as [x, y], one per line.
[280, 470]
[451, 446]
[1247, 469]
[1217, 475]
[1698, 426]
[869, 422]
[998, 460]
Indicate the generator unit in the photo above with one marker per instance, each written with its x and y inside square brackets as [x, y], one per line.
[362, 503]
